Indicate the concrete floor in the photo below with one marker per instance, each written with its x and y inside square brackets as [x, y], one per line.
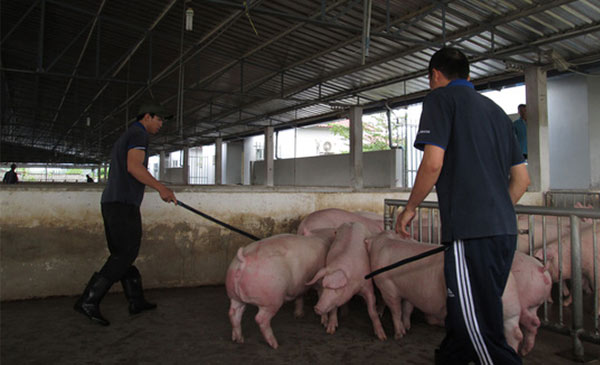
[191, 326]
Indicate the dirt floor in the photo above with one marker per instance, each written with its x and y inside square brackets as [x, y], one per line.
[191, 326]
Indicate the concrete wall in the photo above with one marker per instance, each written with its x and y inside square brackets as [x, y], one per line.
[381, 169]
[52, 235]
[569, 133]
[593, 84]
[173, 175]
[233, 163]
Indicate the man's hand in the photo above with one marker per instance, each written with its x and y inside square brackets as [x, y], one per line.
[167, 195]
[403, 221]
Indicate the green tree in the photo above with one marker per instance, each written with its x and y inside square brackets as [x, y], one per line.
[375, 133]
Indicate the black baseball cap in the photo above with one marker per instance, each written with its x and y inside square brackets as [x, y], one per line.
[156, 109]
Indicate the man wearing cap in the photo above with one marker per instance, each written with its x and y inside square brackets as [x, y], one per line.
[121, 199]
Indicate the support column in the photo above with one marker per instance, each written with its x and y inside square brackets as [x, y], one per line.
[219, 161]
[356, 147]
[186, 166]
[269, 156]
[162, 166]
[594, 131]
[106, 171]
[99, 172]
[537, 129]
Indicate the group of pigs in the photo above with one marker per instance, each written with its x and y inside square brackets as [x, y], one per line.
[332, 252]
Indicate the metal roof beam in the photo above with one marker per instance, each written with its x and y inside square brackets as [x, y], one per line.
[499, 54]
[405, 18]
[120, 67]
[23, 17]
[70, 76]
[461, 33]
[173, 65]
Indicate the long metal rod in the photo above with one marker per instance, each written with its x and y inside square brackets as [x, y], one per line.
[406, 261]
[232, 228]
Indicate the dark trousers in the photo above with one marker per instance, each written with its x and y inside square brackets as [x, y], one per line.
[123, 228]
[476, 272]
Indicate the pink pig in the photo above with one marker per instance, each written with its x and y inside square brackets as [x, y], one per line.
[421, 284]
[534, 285]
[333, 218]
[268, 272]
[347, 264]
[588, 260]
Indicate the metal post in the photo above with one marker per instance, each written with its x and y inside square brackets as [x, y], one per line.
[366, 32]
[576, 289]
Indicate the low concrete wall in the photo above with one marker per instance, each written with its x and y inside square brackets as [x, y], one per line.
[381, 169]
[52, 235]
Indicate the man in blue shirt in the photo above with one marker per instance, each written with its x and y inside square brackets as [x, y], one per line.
[120, 202]
[472, 156]
[520, 128]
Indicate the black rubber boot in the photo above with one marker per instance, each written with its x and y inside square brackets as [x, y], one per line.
[89, 302]
[132, 287]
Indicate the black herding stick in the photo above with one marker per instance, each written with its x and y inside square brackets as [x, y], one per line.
[179, 202]
[406, 261]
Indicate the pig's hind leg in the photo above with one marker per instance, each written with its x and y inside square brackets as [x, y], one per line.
[395, 305]
[236, 310]
[263, 319]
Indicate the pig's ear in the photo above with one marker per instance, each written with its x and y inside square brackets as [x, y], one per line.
[335, 280]
[318, 276]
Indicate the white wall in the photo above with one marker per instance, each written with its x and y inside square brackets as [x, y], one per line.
[381, 169]
[594, 130]
[232, 169]
[569, 133]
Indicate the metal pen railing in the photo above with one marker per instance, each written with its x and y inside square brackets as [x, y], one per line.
[577, 331]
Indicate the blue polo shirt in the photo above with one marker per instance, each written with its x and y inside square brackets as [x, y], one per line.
[520, 129]
[480, 148]
[121, 186]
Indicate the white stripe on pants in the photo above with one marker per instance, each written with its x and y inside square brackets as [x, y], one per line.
[466, 303]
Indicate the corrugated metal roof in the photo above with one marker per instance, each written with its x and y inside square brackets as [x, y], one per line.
[276, 62]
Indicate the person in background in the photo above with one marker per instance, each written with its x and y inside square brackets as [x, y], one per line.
[10, 177]
[89, 178]
[520, 128]
[473, 158]
[120, 202]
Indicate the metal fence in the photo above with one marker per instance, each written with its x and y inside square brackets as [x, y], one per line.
[413, 156]
[201, 169]
[576, 235]
[570, 198]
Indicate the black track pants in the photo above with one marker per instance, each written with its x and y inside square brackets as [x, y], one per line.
[123, 228]
[476, 272]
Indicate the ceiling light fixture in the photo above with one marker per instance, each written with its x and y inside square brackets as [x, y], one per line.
[189, 19]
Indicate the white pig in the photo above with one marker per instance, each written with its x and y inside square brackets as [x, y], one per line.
[333, 218]
[534, 285]
[421, 283]
[342, 277]
[268, 272]
[588, 260]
